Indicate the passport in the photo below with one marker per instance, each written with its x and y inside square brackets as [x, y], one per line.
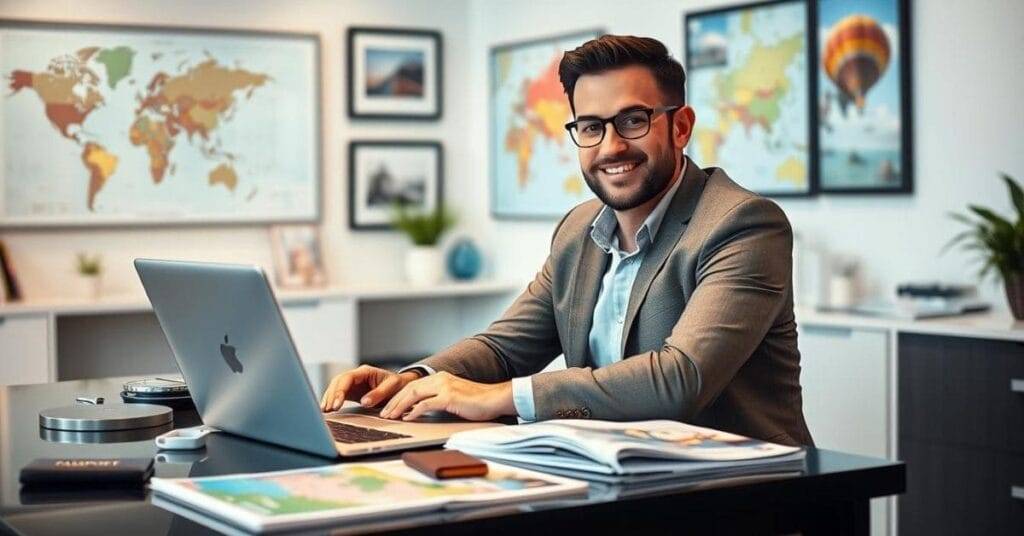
[98, 472]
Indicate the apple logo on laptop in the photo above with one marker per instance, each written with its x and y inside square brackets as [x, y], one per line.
[228, 351]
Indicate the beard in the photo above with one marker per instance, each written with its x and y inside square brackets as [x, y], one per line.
[660, 174]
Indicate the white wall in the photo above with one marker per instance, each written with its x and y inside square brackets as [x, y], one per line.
[44, 259]
[966, 74]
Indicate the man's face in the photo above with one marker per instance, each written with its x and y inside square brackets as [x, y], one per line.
[623, 173]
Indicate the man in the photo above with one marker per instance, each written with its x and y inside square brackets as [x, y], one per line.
[670, 294]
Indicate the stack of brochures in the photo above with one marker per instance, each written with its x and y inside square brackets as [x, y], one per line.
[338, 495]
[629, 452]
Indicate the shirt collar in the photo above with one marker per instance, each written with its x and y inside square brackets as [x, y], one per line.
[602, 230]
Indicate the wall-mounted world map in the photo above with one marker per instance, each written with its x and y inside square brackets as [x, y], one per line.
[117, 126]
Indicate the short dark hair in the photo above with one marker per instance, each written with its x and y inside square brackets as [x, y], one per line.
[615, 51]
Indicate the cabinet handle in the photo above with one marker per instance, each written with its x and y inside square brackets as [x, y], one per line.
[1017, 385]
[1017, 492]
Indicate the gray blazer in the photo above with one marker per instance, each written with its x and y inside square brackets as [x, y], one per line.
[710, 334]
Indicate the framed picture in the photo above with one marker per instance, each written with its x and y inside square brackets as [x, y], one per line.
[394, 73]
[535, 169]
[298, 259]
[383, 174]
[136, 125]
[864, 96]
[749, 77]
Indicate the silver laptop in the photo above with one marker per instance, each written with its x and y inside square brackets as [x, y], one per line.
[234, 350]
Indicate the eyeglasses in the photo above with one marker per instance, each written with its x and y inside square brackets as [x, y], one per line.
[630, 125]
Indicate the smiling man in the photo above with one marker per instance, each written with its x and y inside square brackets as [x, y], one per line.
[670, 294]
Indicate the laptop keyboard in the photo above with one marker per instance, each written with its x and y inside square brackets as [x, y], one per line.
[346, 433]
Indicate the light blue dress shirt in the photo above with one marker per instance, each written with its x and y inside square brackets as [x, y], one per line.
[616, 285]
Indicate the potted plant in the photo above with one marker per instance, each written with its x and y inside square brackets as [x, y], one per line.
[90, 268]
[1000, 244]
[424, 261]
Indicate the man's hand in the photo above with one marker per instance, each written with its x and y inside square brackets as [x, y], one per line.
[446, 392]
[368, 385]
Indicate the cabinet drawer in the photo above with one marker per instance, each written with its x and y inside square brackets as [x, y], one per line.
[24, 349]
[323, 329]
[960, 490]
[960, 391]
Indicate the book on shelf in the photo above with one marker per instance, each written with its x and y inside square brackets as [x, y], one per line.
[638, 452]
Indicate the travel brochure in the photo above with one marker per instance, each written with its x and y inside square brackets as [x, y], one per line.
[629, 452]
[345, 493]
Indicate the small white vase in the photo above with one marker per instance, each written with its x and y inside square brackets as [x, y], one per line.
[88, 287]
[424, 265]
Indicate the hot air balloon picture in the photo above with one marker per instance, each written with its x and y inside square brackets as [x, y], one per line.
[863, 93]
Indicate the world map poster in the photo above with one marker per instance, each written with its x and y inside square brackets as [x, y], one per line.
[535, 170]
[125, 125]
[748, 81]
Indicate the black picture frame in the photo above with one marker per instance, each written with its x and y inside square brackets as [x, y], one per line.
[316, 158]
[906, 152]
[355, 174]
[812, 188]
[360, 108]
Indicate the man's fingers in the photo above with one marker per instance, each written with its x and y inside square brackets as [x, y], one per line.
[409, 395]
[381, 392]
[434, 403]
[345, 383]
[328, 397]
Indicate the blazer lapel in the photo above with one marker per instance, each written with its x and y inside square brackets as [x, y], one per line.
[678, 215]
[589, 270]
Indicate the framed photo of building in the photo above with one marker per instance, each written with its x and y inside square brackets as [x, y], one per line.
[394, 73]
[535, 168]
[383, 174]
[864, 96]
[749, 77]
[106, 125]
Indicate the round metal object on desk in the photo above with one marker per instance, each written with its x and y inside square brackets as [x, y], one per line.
[157, 387]
[104, 417]
[109, 436]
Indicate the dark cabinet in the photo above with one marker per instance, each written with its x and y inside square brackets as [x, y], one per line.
[961, 434]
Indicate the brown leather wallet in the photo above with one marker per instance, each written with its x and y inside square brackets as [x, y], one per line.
[445, 463]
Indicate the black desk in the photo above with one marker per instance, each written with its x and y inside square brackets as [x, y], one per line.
[830, 498]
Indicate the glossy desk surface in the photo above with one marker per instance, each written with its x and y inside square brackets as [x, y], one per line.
[830, 477]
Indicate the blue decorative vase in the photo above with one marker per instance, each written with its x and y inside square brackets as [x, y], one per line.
[464, 260]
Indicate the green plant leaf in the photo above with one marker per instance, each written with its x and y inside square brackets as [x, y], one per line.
[1017, 195]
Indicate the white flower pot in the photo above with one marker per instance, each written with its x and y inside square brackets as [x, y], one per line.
[424, 265]
[87, 287]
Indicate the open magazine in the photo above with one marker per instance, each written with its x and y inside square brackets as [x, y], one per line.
[628, 452]
[344, 493]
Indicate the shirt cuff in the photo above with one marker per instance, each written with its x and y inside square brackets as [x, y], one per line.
[424, 369]
[522, 398]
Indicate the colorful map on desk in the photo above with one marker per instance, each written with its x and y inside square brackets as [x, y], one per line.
[348, 486]
[104, 125]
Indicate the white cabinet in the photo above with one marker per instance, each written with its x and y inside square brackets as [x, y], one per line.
[24, 349]
[846, 393]
[323, 329]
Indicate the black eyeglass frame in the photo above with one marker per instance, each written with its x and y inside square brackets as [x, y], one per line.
[651, 114]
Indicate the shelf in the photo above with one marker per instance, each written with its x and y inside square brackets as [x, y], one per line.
[130, 304]
[987, 325]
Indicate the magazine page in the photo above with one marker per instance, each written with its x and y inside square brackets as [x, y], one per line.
[350, 492]
[625, 447]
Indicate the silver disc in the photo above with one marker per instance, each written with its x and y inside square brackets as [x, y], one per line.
[162, 386]
[102, 417]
